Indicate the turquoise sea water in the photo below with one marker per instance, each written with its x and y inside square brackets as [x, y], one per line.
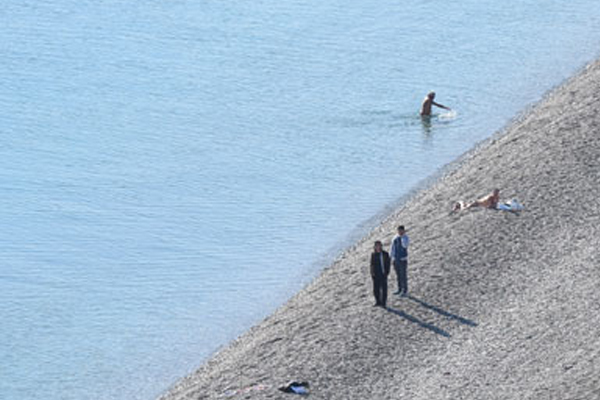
[171, 171]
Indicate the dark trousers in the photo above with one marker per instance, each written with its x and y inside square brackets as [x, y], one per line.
[400, 268]
[380, 289]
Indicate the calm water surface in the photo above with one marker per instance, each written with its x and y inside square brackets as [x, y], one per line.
[171, 171]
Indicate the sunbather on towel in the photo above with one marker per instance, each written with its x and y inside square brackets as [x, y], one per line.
[489, 201]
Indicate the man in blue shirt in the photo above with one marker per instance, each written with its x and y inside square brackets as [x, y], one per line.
[399, 255]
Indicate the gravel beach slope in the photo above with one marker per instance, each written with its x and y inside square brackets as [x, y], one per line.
[502, 306]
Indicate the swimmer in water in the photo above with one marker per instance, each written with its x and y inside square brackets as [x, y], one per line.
[428, 102]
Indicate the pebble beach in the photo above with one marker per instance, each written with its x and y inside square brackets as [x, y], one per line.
[501, 305]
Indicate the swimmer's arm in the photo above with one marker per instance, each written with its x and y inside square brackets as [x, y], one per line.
[441, 106]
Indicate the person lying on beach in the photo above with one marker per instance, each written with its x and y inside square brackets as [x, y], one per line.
[489, 201]
[428, 102]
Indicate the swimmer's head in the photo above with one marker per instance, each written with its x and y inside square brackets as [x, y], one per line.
[431, 95]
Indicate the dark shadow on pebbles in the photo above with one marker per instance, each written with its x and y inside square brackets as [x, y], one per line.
[442, 312]
[417, 321]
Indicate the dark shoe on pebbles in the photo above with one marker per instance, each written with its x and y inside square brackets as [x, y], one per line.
[397, 292]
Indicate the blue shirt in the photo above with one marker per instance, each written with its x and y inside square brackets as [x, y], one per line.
[399, 250]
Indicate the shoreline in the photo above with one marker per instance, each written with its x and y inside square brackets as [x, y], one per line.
[479, 310]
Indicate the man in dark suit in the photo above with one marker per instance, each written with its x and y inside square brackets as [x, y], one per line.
[380, 269]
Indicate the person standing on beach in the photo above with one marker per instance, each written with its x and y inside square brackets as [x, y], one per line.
[399, 254]
[428, 102]
[380, 269]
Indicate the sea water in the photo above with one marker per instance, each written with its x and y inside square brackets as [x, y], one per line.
[171, 171]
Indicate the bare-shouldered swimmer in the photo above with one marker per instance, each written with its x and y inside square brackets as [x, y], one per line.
[428, 102]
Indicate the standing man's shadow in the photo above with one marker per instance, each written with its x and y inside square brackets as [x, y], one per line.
[445, 313]
[427, 325]
[417, 321]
